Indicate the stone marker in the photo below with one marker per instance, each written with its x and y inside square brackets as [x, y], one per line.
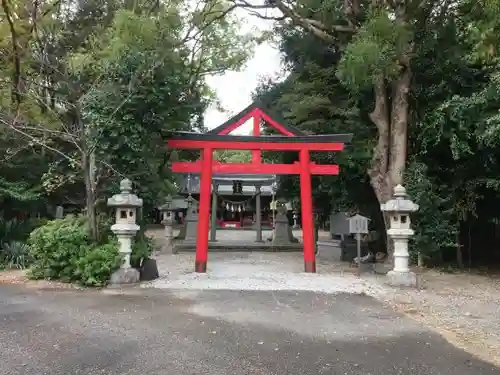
[59, 212]
[168, 222]
[282, 229]
[191, 222]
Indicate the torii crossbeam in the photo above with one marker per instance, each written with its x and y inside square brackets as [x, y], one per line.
[291, 139]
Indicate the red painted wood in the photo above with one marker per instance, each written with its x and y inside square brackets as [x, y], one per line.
[250, 168]
[204, 210]
[283, 146]
[256, 154]
[237, 124]
[274, 124]
[307, 212]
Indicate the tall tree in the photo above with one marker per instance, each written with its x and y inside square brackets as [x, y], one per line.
[377, 42]
[103, 82]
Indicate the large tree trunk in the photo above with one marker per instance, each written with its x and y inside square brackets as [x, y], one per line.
[388, 163]
[389, 155]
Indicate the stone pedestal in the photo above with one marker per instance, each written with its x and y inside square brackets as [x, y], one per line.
[191, 223]
[125, 240]
[169, 234]
[404, 279]
[125, 276]
[401, 274]
[291, 238]
[282, 230]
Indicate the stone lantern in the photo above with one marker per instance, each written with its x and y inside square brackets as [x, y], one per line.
[399, 209]
[125, 228]
[167, 219]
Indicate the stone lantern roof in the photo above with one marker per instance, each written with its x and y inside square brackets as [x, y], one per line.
[399, 203]
[125, 198]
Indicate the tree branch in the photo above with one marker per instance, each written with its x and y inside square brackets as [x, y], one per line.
[16, 56]
[12, 125]
[317, 28]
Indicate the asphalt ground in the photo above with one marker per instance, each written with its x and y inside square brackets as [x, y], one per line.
[150, 331]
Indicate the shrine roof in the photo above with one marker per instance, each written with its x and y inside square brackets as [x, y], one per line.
[316, 138]
[257, 105]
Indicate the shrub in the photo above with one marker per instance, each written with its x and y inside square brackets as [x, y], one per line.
[15, 254]
[63, 250]
[56, 247]
[95, 267]
[16, 229]
[142, 249]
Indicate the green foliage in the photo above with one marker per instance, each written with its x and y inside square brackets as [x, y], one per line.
[373, 52]
[15, 254]
[453, 118]
[118, 77]
[97, 264]
[434, 222]
[19, 191]
[56, 247]
[62, 250]
[15, 229]
[233, 156]
[142, 248]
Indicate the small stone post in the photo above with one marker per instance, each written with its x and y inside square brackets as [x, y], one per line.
[258, 219]
[125, 228]
[167, 220]
[213, 217]
[282, 230]
[399, 209]
[191, 220]
[59, 212]
[295, 219]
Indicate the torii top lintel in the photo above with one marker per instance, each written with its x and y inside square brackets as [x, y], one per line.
[290, 138]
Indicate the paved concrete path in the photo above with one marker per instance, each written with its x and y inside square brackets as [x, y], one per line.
[216, 333]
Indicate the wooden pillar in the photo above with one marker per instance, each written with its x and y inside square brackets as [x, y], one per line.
[307, 213]
[204, 211]
[258, 219]
[213, 222]
[256, 154]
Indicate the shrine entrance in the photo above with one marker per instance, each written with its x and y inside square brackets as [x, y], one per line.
[290, 139]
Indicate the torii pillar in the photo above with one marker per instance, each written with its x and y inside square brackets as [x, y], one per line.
[307, 213]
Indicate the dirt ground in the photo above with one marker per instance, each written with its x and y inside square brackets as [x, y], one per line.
[463, 307]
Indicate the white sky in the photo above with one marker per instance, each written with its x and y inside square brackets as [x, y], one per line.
[234, 89]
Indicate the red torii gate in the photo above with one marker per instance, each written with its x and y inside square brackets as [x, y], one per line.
[291, 139]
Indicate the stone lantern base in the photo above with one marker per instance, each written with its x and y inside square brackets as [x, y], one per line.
[405, 279]
[125, 276]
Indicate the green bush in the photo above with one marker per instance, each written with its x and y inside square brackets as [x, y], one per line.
[95, 267]
[142, 248]
[16, 229]
[62, 250]
[15, 254]
[56, 247]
